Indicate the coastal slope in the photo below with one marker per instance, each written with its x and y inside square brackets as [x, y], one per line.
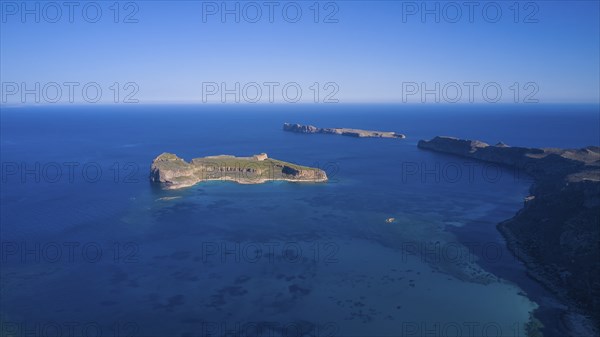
[298, 128]
[557, 232]
[174, 172]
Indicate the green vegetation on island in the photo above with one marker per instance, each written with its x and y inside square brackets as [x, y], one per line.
[175, 172]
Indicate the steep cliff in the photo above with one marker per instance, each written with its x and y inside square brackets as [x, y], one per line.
[557, 232]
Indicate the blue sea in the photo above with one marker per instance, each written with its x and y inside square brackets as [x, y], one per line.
[91, 247]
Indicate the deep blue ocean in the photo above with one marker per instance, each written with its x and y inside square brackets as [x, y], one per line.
[89, 245]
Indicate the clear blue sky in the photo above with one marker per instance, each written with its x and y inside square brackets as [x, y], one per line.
[373, 48]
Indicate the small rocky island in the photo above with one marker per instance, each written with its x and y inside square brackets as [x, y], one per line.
[341, 131]
[557, 232]
[174, 172]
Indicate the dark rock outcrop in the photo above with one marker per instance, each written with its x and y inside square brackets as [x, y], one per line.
[341, 131]
[557, 232]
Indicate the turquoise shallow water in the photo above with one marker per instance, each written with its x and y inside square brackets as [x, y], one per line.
[126, 257]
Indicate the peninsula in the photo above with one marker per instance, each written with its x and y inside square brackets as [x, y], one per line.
[174, 172]
[341, 131]
[557, 232]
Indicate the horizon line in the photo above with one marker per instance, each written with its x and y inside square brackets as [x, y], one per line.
[158, 103]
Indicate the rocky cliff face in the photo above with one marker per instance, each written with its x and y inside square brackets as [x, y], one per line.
[168, 167]
[174, 172]
[341, 131]
[557, 233]
[300, 128]
[540, 163]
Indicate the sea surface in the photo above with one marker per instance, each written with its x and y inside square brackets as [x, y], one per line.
[90, 246]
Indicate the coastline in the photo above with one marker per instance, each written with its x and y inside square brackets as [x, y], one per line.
[546, 233]
[549, 168]
[575, 319]
[169, 186]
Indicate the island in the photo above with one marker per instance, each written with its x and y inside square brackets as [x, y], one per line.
[174, 172]
[341, 131]
[557, 232]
